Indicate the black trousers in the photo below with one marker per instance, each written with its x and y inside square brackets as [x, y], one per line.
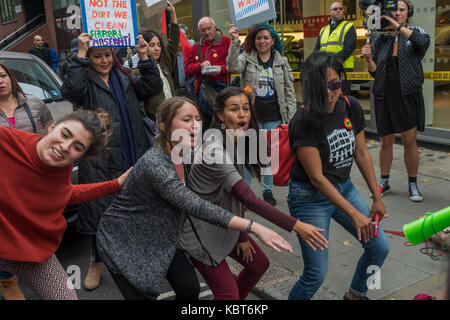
[181, 276]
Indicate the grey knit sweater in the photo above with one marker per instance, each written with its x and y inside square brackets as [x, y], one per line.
[139, 233]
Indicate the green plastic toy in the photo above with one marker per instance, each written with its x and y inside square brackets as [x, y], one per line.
[423, 228]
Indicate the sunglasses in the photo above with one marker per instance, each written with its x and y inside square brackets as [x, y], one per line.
[334, 85]
[337, 9]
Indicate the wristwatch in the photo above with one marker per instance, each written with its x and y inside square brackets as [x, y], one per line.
[399, 27]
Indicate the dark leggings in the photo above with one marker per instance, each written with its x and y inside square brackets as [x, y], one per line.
[127, 290]
[181, 276]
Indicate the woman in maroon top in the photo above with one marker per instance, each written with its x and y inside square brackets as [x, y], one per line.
[36, 188]
[220, 182]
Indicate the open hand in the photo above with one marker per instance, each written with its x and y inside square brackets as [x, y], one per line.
[270, 238]
[247, 251]
[311, 235]
[363, 226]
[124, 177]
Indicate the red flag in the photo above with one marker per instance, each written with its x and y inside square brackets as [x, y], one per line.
[163, 23]
[185, 45]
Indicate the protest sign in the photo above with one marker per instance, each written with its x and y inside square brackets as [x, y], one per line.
[245, 13]
[154, 7]
[111, 23]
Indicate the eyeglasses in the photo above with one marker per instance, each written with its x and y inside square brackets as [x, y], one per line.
[334, 85]
[337, 9]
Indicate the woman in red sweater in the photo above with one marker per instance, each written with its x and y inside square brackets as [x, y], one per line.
[36, 188]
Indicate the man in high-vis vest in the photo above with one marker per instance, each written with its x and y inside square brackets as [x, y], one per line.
[339, 36]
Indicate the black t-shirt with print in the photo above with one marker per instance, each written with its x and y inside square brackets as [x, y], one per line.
[266, 104]
[335, 140]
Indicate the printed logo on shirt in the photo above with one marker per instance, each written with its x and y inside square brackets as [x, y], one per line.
[342, 147]
[265, 83]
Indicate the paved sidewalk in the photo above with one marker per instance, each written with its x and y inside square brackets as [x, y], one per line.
[406, 271]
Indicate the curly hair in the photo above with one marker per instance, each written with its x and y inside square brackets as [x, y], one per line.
[249, 43]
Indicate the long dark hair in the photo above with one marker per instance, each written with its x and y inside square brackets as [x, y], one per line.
[314, 85]
[219, 106]
[15, 87]
[162, 60]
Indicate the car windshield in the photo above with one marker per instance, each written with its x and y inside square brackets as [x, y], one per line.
[34, 79]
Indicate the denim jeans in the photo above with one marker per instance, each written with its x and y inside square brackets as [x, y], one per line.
[308, 205]
[267, 180]
[5, 275]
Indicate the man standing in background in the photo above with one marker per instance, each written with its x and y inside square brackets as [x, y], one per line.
[40, 51]
[339, 36]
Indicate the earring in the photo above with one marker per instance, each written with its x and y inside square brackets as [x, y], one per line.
[224, 127]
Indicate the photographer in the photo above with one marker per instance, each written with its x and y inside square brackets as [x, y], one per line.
[399, 104]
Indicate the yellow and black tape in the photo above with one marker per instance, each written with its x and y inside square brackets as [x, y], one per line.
[436, 76]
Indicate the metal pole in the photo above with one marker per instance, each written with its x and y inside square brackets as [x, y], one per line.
[281, 19]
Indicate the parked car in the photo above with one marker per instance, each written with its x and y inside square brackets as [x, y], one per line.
[35, 77]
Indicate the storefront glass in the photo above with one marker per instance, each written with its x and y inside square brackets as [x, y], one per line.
[299, 37]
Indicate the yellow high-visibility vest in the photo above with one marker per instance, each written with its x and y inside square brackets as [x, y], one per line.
[334, 42]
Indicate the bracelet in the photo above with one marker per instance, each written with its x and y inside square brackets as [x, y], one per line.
[249, 226]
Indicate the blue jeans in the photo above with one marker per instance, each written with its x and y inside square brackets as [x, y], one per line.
[5, 275]
[267, 180]
[308, 205]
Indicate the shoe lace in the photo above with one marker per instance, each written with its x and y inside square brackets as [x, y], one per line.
[414, 189]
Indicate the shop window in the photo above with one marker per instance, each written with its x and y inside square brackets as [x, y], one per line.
[7, 10]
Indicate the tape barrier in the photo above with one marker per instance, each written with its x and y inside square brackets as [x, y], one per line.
[436, 76]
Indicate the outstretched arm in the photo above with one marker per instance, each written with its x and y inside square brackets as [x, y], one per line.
[309, 233]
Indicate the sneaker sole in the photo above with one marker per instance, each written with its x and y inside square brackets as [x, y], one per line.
[416, 199]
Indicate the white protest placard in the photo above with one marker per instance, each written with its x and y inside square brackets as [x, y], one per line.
[111, 23]
[154, 7]
[245, 13]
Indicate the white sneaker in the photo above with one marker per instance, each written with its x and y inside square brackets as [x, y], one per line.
[414, 193]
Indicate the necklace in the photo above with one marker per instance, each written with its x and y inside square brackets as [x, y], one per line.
[8, 107]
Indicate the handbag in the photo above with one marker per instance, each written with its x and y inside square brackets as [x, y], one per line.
[282, 165]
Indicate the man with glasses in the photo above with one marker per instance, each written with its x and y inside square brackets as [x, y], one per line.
[339, 36]
[211, 50]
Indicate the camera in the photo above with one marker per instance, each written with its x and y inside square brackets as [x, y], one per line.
[374, 10]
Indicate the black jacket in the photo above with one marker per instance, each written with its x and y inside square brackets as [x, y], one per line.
[43, 54]
[83, 86]
[410, 52]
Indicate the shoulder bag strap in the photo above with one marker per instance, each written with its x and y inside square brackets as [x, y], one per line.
[28, 111]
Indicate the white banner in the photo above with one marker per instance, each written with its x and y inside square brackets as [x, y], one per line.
[111, 23]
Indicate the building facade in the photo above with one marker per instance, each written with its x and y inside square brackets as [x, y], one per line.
[298, 21]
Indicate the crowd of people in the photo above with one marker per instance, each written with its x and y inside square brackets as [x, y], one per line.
[131, 188]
